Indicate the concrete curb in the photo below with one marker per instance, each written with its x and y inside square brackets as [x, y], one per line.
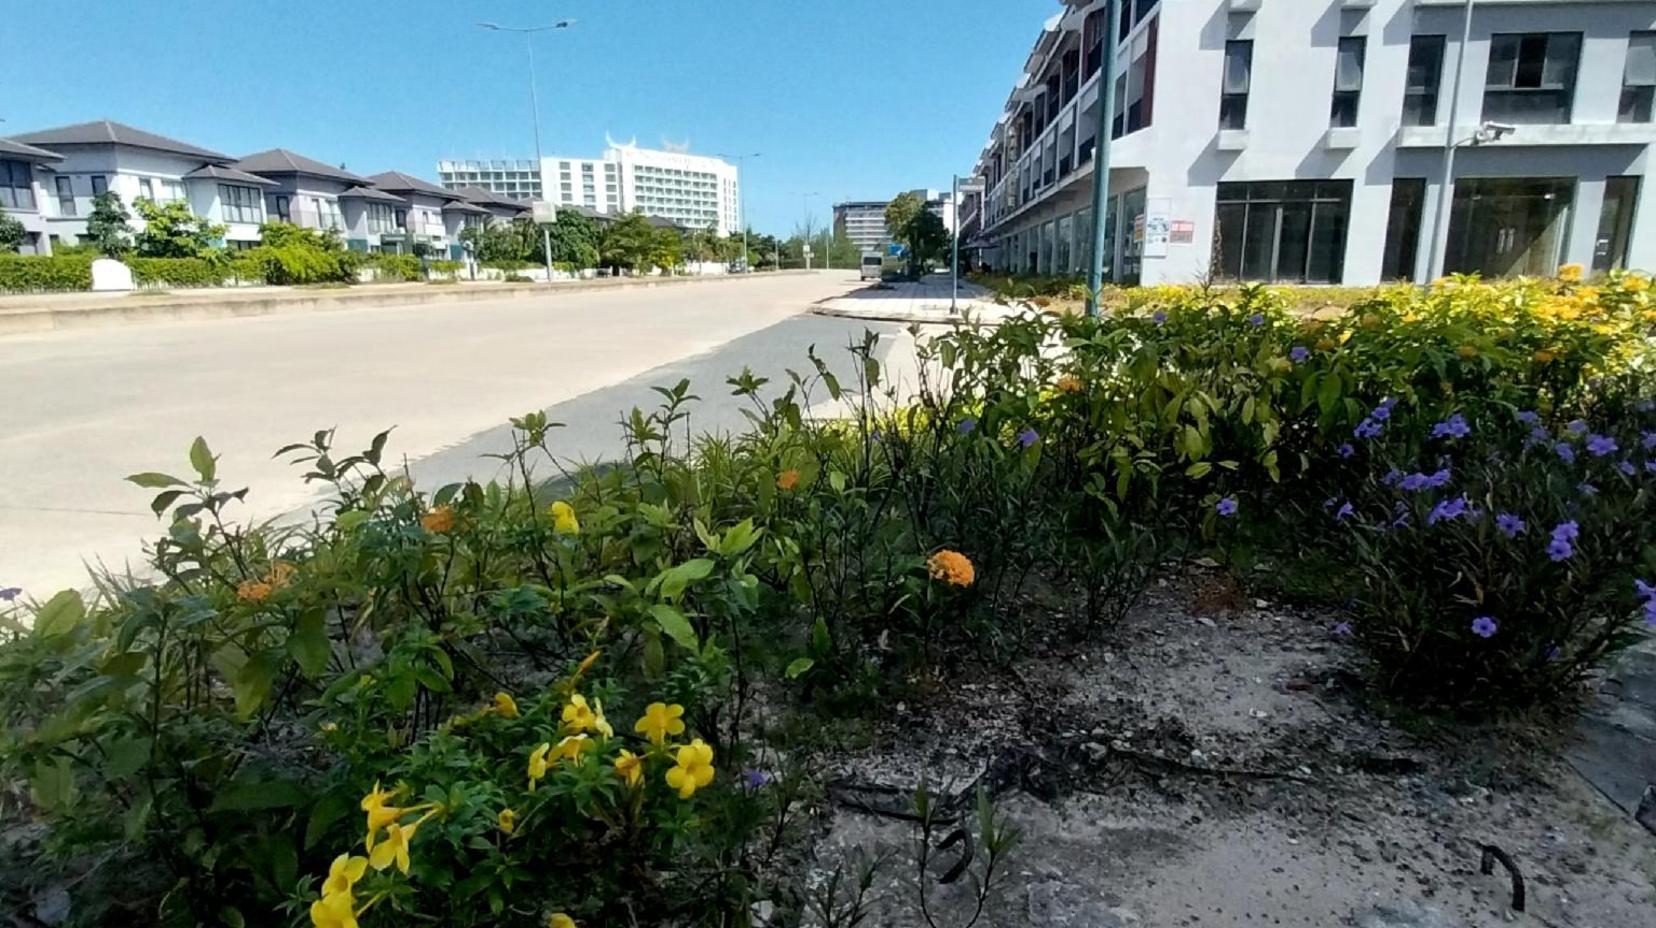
[135, 308]
[940, 317]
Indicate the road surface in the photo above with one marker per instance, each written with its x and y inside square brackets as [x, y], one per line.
[82, 409]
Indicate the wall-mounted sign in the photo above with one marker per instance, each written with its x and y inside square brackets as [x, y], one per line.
[1182, 232]
[1158, 223]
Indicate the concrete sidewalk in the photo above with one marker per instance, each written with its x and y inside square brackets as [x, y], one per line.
[924, 301]
[44, 312]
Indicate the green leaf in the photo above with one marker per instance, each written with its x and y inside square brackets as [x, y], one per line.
[201, 458]
[155, 481]
[163, 500]
[308, 643]
[249, 793]
[251, 684]
[675, 579]
[346, 521]
[740, 538]
[676, 626]
[61, 615]
[329, 809]
[53, 785]
[798, 667]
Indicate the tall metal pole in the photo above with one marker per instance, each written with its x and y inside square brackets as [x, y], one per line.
[954, 250]
[540, 165]
[1101, 158]
[1435, 261]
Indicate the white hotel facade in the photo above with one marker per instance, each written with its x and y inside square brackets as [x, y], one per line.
[694, 191]
[1303, 141]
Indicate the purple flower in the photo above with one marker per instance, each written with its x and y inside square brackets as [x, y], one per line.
[1485, 627]
[1346, 450]
[1569, 531]
[1509, 524]
[1576, 427]
[1554, 652]
[1600, 445]
[1393, 477]
[1529, 417]
[1159, 316]
[966, 426]
[1561, 547]
[1650, 466]
[1383, 411]
[1256, 320]
[1227, 507]
[1368, 428]
[1565, 452]
[1627, 468]
[1447, 510]
[1643, 590]
[1345, 512]
[1343, 629]
[1650, 613]
[1028, 437]
[1648, 440]
[1414, 482]
[1538, 436]
[876, 436]
[1453, 427]
[1300, 353]
[1586, 489]
[10, 593]
[1438, 479]
[754, 778]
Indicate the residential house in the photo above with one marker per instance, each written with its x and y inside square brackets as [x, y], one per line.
[304, 191]
[97, 156]
[458, 216]
[231, 198]
[499, 207]
[421, 220]
[22, 193]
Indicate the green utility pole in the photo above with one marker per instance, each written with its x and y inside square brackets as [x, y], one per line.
[1101, 158]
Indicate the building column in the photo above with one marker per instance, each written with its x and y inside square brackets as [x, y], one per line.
[1584, 222]
[1366, 226]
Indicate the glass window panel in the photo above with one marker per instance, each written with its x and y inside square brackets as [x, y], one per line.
[1641, 59]
[1328, 238]
[1238, 66]
[1503, 60]
[1408, 197]
[1563, 50]
[1228, 229]
[1293, 241]
[1532, 60]
[1348, 70]
[1615, 230]
[1259, 241]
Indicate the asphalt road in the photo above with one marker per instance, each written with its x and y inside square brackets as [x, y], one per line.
[79, 410]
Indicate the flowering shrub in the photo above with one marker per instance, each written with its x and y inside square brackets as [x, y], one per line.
[1477, 461]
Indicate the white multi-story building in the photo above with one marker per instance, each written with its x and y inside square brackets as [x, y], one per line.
[693, 191]
[514, 178]
[1290, 140]
[863, 222]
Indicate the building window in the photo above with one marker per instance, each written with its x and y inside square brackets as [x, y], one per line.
[240, 204]
[1348, 82]
[146, 188]
[401, 219]
[100, 185]
[1420, 88]
[1408, 199]
[284, 209]
[171, 190]
[380, 219]
[1283, 231]
[1615, 231]
[1531, 77]
[65, 196]
[1503, 226]
[1233, 101]
[17, 185]
[1638, 98]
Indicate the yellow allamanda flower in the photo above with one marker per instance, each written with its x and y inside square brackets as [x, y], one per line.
[599, 723]
[1570, 273]
[564, 521]
[334, 911]
[507, 820]
[629, 767]
[394, 849]
[578, 715]
[560, 920]
[659, 721]
[586, 664]
[505, 706]
[570, 748]
[692, 770]
[537, 763]
[343, 874]
[1633, 283]
[379, 814]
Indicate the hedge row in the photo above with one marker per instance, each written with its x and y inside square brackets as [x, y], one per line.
[179, 272]
[35, 273]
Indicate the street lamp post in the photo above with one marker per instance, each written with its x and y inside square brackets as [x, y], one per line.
[742, 195]
[805, 241]
[1101, 157]
[1434, 263]
[528, 33]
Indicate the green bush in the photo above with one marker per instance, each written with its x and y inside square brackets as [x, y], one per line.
[414, 666]
[296, 264]
[33, 273]
[447, 268]
[179, 272]
[388, 266]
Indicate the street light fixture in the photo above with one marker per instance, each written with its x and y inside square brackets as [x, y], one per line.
[742, 194]
[528, 33]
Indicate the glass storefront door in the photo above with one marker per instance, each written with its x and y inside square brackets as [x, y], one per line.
[1508, 226]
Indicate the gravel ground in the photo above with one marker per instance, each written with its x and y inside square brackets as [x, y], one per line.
[1218, 769]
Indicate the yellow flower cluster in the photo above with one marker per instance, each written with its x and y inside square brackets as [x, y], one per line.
[787, 480]
[257, 591]
[951, 567]
[337, 907]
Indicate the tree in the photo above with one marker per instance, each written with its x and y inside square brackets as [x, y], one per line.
[11, 232]
[575, 239]
[667, 250]
[629, 242]
[916, 228]
[106, 228]
[901, 211]
[171, 230]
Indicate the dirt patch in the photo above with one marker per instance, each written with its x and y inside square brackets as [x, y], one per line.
[1213, 770]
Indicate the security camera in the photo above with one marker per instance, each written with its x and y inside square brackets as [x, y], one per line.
[1495, 131]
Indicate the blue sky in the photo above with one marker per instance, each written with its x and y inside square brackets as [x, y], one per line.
[844, 98]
